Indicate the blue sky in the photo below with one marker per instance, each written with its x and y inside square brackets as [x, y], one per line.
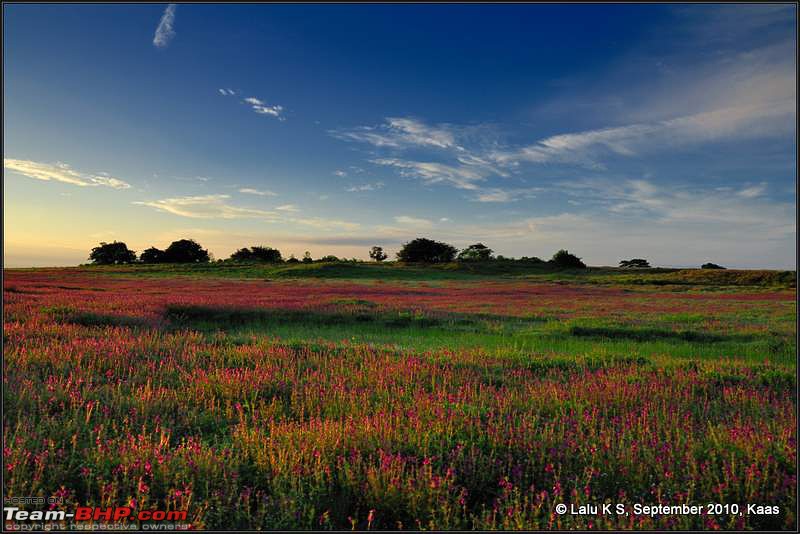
[615, 131]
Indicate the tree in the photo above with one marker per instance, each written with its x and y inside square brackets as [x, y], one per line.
[243, 254]
[112, 253]
[635, 263]
[427, 251]
[267, 254]
[476, 252]
[330, 258]
[711, 266]
[565, 260]
[292, 259]
[532, 259]
[152, 255]
[307, 257]
[377, 254]
[185, 251]
[262, 254]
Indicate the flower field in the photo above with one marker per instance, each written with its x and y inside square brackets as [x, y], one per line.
[330, 404]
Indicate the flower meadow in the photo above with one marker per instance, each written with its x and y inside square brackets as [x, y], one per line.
[457, 405]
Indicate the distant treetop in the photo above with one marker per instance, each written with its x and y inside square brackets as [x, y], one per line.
[476, 252]
[635, 263]
[181, 251]
[112, 253]
[423, 250]
[564, 259]
[377, 254]
[258, 253]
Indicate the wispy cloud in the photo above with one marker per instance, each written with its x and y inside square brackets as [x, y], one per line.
[164, 31]
[414, 222]
[220, 207]
[291, 208]
[739, 88]
[416, 132]
[193, 178]
[259, 192]
[226, 92]
[398, 132]
[462, 177]
[327, 224]
[261, 108]
[589, 146]
[452, 157]
[753, 191]
[365, 187]
[688, 205]
[497, 194]
[340, 173]
[207, 207]
[61, 172]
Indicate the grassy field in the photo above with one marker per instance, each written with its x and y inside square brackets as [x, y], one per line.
[342, 395]
[392, 271]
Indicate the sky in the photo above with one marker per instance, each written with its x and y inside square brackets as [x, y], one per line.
[665, 132]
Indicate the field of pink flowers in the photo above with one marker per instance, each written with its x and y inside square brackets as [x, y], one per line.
[125, 391]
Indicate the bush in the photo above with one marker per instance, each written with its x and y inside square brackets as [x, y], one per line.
[152, 255]
[263, 254]
[377, 254]
[243, 254]
[424, 250]
[112, 253]
[476, 252]
[330, 258]
[711, 266]
[636, 263]
[292, 259]
[186, 251]
[307, 257]
[565, 260]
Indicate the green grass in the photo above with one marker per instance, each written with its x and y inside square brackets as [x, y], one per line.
[498, 335]
[667, 279]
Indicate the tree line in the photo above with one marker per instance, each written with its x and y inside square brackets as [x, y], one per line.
[419, 250]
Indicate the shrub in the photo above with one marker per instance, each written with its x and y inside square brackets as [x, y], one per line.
[307, 257]
[476, 252]
[330, 258]
[112, 253]
[426, 251]
[711, 266]
[635, 263]
[186, 251]
[243, 254]
[263, 254]
[564, 259]
[152, 255]
[377, 254]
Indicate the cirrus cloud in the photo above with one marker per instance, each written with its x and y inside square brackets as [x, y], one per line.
[61, 172]
[259, 192]
[164, 31]
[207, 207]
[262, 108]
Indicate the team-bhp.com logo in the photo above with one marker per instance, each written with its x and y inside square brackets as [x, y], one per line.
[88, 513]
